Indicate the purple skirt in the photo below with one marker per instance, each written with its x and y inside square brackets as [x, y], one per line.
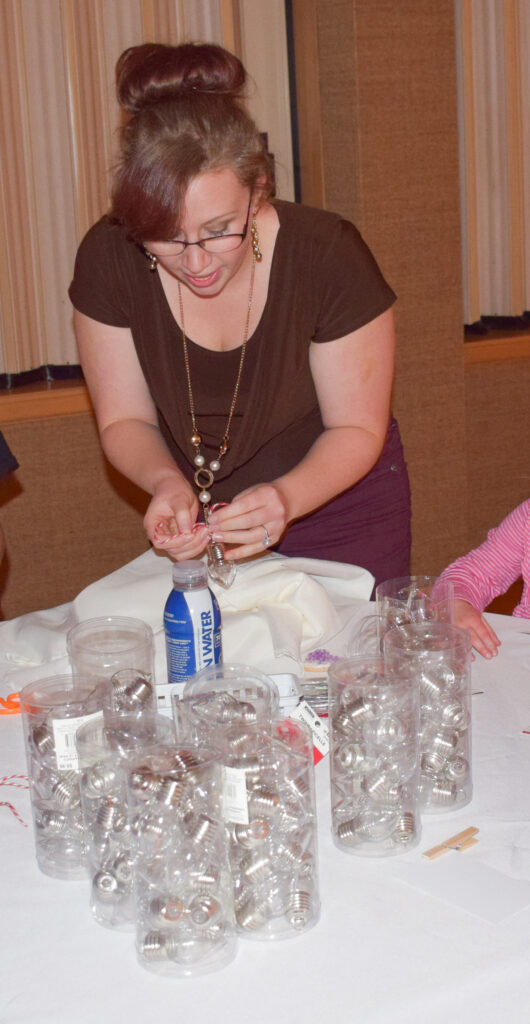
[367, 525]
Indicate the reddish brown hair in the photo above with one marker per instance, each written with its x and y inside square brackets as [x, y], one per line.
[187, 117]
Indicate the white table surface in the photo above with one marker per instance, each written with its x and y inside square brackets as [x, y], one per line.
[383, 952]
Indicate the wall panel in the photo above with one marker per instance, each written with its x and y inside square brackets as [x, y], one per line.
[68, 517]
[497, 433]
[390, 158]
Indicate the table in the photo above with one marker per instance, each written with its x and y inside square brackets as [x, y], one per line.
[384, 950]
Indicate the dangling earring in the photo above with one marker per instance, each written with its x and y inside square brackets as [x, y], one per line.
[258, 255]
[153, 261]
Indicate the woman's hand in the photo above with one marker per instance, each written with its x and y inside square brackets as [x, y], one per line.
[485, 641]
[253, 521]
[171, 520]
[131, 438]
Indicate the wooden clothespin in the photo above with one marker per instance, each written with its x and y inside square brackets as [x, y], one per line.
[462, 841]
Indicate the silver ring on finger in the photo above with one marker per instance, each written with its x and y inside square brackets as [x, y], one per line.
[266, 539]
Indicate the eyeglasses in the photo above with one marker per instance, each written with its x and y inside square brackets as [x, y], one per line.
[216, 243]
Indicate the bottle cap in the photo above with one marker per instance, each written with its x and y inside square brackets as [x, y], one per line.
[190, 574]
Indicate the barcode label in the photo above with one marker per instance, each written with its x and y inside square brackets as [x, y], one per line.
[64, 730]
[319, 728]
[235, 802]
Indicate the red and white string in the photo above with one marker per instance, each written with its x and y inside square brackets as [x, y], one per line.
[11, 780]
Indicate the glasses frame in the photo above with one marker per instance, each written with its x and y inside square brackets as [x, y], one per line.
[202, 242]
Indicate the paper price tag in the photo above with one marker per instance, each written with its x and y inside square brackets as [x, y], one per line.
[64, 730]
[319, 729]
[235, 802]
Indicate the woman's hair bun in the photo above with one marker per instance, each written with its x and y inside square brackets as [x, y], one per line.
[152, 73]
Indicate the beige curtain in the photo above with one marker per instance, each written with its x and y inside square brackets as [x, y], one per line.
[58, 123]
[493, 61]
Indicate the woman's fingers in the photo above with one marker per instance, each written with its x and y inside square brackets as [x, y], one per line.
[188, 545]
[244, 543]
[250, 508]
[172, 525]
[253, 521]
[172, 512]
[179, 545]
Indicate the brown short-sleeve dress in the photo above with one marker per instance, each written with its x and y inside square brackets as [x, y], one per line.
[324, 283]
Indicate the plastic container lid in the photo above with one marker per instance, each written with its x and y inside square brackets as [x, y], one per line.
[61, 694]
[242, 681]
[288, 689]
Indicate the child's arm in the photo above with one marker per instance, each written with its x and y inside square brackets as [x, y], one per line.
[485, 640]
[486, 572]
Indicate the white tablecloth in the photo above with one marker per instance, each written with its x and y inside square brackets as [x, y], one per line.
[385, 951]
[278, 610]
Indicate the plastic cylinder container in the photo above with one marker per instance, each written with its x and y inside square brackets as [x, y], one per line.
[129, 692]
[100, 647]
[374, 755]
[105, 748]
[184, 906]
[415, 599]
[367, 635]
[52, 711]
[220, 695]
[435, 658]
[269, 810]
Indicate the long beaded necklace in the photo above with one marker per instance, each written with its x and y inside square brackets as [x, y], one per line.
[221, 570]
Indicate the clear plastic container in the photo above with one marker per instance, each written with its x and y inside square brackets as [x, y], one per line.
[129, 692]
[269, 809]
[374, 754]
[105, 748]
[52, 711]
[415, 599]
[367, 635]
[100, 647]
[435, 657]
[184, 908]
[268, 796]
[221, 695]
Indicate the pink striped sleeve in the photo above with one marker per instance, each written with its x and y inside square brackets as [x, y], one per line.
[490, 569]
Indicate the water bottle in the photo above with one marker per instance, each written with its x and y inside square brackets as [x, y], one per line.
[192, 623]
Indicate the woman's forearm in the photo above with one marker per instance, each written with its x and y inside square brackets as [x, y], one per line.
[137, 449]
[339, 458]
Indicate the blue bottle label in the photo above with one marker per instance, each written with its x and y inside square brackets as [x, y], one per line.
[192, 622]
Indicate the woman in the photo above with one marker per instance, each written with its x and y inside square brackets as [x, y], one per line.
[237, 350]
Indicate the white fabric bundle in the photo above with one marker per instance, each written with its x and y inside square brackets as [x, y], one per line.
[277, 610]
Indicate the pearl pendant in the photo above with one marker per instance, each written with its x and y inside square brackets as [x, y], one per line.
[205, 497]
[199, 460]
[215, 465]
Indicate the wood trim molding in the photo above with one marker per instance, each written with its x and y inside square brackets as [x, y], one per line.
[310, 143]
[497, 349]
[41, 401]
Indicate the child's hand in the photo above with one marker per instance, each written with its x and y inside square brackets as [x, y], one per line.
[485, 641]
